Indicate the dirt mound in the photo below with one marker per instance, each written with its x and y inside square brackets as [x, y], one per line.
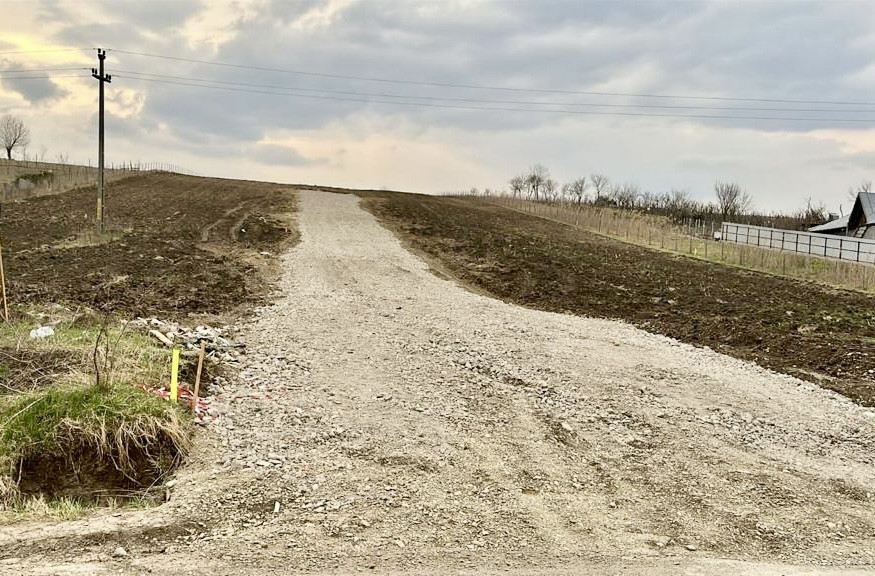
[259, 231]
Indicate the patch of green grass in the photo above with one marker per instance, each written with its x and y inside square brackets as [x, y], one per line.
[31, 422]
[123, 355]
[59, 509]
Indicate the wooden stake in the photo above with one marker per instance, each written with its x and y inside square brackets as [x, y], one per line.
[197, 378]
[3, 286]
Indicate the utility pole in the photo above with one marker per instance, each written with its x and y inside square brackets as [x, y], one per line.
[102, 79]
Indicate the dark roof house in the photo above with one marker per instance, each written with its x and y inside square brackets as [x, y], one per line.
[860, 223]
[862, 217]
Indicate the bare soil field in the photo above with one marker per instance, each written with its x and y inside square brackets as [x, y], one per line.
[175, 245]
[388, 421]
[819, 334]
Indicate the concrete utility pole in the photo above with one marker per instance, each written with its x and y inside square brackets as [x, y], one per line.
[101, 78]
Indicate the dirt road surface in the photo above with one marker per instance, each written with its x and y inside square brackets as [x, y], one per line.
[389, 421]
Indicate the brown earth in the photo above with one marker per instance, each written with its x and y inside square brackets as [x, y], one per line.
[819, 334]
[175, 245]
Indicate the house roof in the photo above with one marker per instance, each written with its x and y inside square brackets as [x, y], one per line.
[837, 224]
[863, 212]
[867, 202]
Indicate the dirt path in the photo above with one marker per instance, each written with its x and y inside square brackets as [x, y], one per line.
[401, 424]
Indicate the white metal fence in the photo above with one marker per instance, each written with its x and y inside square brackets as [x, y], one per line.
[828, 245]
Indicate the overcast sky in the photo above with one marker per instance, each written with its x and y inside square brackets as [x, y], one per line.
[440, 95]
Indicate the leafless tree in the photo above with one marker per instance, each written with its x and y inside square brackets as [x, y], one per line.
[626, 195]
[601, 184]
[535, 180]
[648, 201]
[14, 133]
[813, 214]
[550, 190]
[677, 202]
[517, 186]
[732, 201]
[576, 190]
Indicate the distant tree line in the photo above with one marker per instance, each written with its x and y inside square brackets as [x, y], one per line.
[731, 201]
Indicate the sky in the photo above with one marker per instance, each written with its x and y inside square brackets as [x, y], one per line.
[438, 96]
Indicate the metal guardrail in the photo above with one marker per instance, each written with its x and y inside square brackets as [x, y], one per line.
[827, 245]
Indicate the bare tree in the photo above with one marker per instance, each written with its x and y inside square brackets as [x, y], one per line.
[550, 190]
[732, 201]
[648, 201]
[601, 183]
[13, 134]
[517, 186]
[576, 190]
[677, 202]
[535, 180]
[813, 214]
[626, 195]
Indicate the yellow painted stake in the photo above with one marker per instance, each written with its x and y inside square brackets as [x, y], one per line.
[174, 373]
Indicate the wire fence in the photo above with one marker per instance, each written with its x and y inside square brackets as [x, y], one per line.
[826, 245]
[693, 238]
[20, 179]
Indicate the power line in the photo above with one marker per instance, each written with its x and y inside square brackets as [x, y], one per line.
[486, 87]
[209, 82]
[501, 109]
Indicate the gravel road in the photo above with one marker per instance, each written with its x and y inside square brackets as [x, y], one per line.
[390, 421]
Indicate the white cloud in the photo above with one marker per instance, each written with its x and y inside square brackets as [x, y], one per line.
[217, 22]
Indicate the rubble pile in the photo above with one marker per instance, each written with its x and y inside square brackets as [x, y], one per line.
[220, 349]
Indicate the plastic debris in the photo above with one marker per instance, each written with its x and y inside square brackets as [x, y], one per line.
[42, 332]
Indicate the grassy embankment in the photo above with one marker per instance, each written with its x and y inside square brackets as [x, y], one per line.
[66, 434]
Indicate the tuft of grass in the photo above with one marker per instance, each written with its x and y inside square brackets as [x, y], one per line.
[59, 509]
[123, 356]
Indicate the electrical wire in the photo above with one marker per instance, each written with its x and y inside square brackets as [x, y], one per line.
[209, 82]
[497, 109]
[486, 87]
